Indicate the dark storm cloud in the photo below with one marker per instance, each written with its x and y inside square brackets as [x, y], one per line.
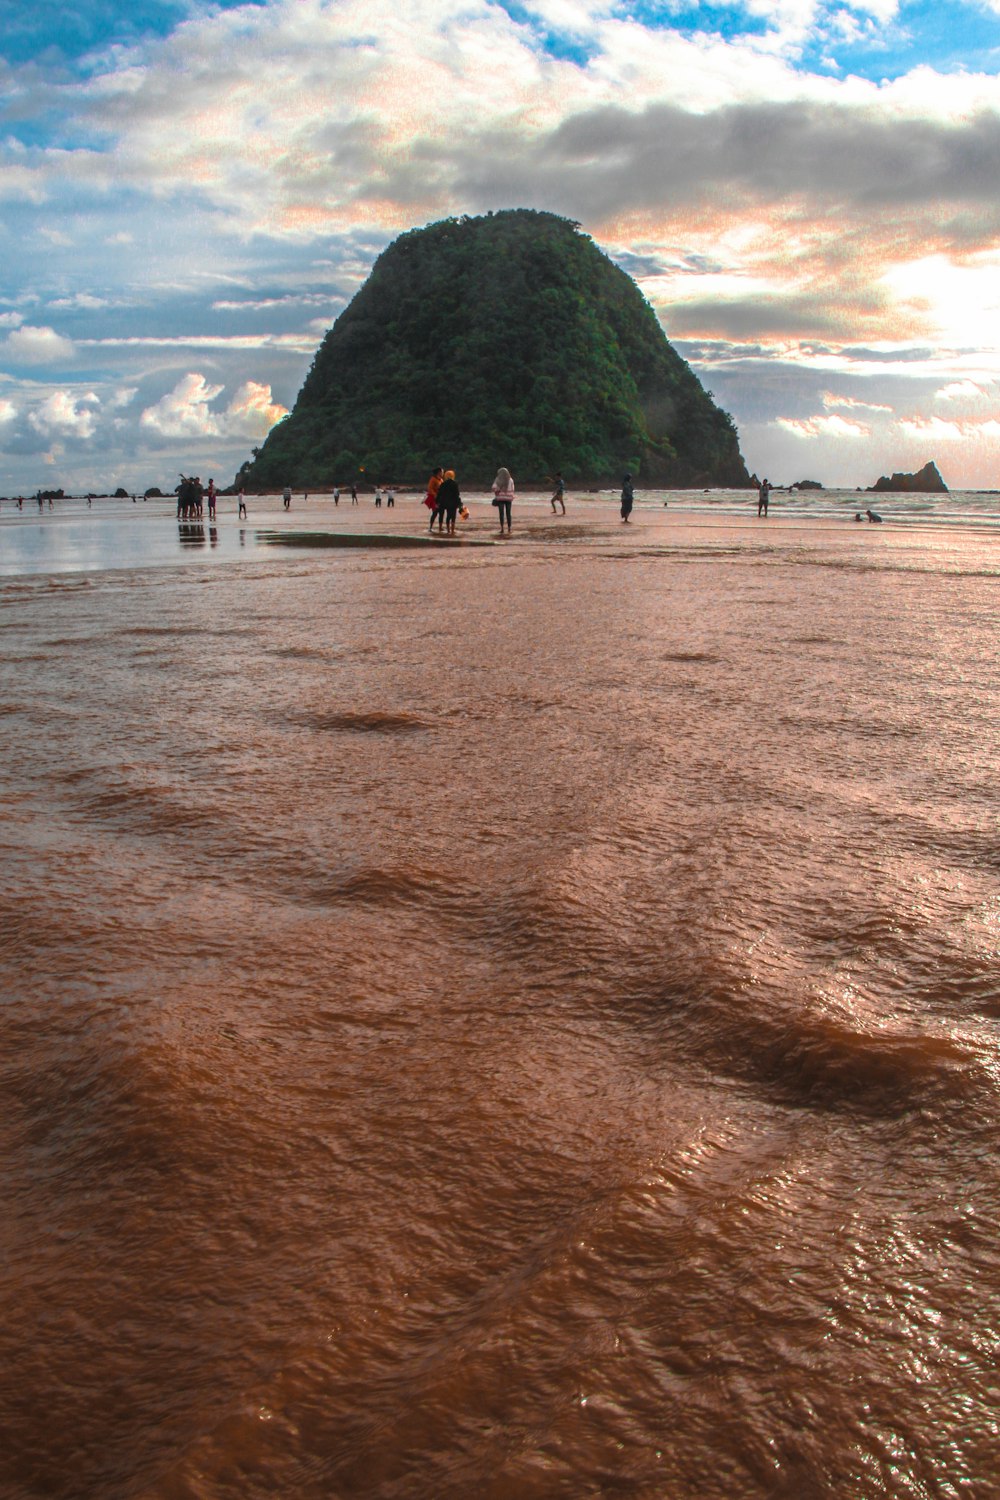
[731, 318]
[609, 161]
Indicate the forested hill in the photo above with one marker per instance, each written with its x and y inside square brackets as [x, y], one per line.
[507, 339]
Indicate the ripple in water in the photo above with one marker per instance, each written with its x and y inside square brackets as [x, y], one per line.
[497, 1060]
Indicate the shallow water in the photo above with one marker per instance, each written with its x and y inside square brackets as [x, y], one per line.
[516, 1021]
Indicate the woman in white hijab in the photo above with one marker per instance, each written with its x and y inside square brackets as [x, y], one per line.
[503, 494]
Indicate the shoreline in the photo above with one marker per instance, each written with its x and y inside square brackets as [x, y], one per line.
[75, 539]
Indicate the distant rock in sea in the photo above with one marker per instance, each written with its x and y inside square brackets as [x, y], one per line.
[504, 339]
[806, 484]
[926, 481]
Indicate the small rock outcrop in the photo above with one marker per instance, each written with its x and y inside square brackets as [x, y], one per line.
[806, 484]
[926, 481]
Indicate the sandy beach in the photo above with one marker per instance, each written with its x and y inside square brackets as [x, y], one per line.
[516, 1019]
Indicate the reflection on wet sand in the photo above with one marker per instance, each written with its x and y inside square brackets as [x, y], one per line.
[519, 1020]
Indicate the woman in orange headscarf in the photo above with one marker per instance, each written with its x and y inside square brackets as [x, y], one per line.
[431, 498]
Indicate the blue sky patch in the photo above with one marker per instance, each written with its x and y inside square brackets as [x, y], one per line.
[50, 30]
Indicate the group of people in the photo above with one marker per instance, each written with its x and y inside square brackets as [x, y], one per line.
[193, 498]
[444, 500]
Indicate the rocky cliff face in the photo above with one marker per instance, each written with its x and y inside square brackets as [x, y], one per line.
[926, 481]
[507, 339]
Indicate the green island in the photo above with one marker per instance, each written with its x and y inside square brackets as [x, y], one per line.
[509, 339]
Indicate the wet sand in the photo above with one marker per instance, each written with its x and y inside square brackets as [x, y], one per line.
[119, 535]
[516, 1020]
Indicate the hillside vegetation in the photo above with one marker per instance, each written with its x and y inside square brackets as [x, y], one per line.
[506, 339]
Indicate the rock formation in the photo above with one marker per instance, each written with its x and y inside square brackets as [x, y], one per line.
[926, 481]
[506, 339]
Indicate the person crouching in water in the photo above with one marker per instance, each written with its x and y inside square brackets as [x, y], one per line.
[449, 498]
[503, 494]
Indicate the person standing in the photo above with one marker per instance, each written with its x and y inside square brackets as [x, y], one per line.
[763, 497]
[503, 496]
[378, 498]
[390, 498]
[336, 494]
[286, 496]
[241, 514]
[433, 486]
[354, 494]
[211, 492]
[449, 498]
[559, 494]
[628, 497]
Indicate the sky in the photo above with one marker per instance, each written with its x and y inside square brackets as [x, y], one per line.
[806, 192]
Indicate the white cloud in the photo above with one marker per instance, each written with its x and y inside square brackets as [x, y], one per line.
[851, 404]
[184, 412]
[20, 182]
[814, 427]
[8, 411]
[936, 430]
[66, 415]
[265, 304]
[37, 346]
[122, 397]
[85, 300]
[252, 412]
[295, 341]
[960, 390]
[11, 320]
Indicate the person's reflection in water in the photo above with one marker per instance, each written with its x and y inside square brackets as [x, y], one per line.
[243, 537]
[191, 533]
[213, 535]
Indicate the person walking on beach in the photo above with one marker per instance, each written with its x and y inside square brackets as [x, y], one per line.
[431, 501]
[763, 494]
[390, 498]
[336, 494]
[211, 492]
[559, 495]
[449, 498]
[286, 496]
[378, 498]
[503, 495]
[241, 514]
[628, 498]
[354, 494]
